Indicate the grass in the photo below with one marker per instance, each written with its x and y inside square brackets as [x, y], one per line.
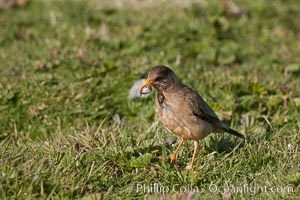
[68, 130]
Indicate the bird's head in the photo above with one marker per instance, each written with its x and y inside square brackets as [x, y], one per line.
[161, 78]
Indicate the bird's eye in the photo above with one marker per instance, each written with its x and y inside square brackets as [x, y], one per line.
[158, 78]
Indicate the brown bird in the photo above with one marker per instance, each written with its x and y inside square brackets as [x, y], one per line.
[182, 110]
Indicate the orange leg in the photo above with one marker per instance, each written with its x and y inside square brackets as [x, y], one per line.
[174, 155]
[194, 155]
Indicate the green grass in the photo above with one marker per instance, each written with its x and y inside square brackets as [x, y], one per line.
[66, 68]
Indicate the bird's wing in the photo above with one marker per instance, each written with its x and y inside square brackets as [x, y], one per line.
[201, 110]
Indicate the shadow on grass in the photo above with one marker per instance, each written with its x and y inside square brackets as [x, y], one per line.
[224, 144]
[220, 145]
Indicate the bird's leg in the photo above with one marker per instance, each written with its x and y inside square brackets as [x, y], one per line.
[194, 155]
[174, 155]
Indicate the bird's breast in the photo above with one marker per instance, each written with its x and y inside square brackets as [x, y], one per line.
[172, 122]
[166, 108]
[176, 118]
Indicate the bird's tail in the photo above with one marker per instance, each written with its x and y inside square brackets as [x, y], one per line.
[233, 132]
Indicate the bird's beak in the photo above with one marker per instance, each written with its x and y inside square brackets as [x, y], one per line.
[147, 83]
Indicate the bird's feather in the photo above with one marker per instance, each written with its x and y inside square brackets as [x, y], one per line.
[204, 112]
[200, 108]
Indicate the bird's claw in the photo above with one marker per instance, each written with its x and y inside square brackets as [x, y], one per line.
[190, 167]
[173, 158]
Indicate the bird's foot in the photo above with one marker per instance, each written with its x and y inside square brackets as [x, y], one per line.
[173, 158]
[190, 167]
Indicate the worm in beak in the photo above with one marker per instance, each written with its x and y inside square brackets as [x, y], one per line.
[147, 85]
